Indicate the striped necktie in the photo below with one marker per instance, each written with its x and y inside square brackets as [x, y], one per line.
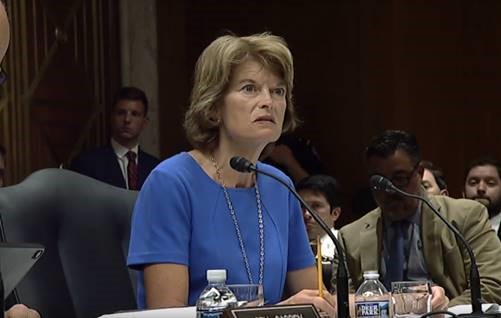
[132, 176]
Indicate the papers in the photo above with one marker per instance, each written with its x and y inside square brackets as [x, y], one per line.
[466, 309]
[180, 312]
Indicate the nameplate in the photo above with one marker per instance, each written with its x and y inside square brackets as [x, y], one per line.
[277, 311]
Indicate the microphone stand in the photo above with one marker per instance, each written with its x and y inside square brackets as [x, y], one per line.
[381, 183]
[343, 306]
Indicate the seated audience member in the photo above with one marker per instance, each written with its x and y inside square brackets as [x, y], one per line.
[3, 153]
[121, 163]
[483, 184]
[404, 240]
[296, 157]
[196, 213]
[321, 192]
[433, 179]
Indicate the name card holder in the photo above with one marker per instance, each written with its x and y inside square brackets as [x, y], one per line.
[277, 311]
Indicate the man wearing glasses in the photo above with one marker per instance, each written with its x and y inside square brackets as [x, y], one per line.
[404, 240]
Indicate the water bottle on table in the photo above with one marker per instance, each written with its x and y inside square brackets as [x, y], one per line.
[372, 300]
[216, 297]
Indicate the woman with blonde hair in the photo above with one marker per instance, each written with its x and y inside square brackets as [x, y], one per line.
[195, 213]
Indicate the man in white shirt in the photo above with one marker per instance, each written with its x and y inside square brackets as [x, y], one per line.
[483, 184]
[121, 163]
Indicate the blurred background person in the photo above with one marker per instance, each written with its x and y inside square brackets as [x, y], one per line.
[196, 213]
[295, 156]
[483, 184]
[121, 163]
[321, 192]
[433, 179]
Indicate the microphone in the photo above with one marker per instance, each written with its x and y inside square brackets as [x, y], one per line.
[241, 164]
[381, 183]
[343, 310]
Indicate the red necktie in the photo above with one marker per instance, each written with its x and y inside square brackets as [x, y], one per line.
[132, 171]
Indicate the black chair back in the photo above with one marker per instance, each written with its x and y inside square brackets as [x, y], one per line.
[84, 225]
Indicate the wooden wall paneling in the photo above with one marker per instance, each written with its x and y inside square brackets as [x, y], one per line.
[64, 66]
[429, 67]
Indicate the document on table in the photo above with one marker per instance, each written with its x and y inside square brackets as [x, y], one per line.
[179, 312]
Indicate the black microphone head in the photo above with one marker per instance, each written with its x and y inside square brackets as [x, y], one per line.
[381, 183]
[241, 164]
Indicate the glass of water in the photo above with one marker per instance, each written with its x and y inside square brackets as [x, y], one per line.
[248, 295]
[411, 299]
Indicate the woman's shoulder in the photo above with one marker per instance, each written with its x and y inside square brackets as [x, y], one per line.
[181, 165]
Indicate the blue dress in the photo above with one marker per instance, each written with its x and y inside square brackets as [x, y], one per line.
[181, 217]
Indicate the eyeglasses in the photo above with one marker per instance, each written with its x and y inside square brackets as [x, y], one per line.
[3, 76]
[402, 179]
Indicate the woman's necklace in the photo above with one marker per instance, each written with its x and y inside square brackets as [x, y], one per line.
[237, 226]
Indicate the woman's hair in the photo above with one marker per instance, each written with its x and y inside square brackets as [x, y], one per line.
[213, 72]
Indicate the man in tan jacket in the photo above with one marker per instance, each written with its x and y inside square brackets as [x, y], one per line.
[430, 250]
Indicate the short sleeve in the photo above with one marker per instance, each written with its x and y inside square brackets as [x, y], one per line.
[161, 222]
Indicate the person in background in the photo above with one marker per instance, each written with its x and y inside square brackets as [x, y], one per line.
[295, 156]
[404, 240]
[196, 213]
[483, 184]
[433, 179]
[3, 153]
[121, 163]
[321, 192]
[19, 310]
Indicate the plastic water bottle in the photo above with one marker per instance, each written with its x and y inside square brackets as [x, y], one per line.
[216, 297]
[372, 300]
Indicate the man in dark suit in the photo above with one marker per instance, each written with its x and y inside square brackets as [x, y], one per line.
[121, 163]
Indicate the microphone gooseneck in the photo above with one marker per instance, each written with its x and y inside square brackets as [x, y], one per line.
[243, 165]
[381, 183]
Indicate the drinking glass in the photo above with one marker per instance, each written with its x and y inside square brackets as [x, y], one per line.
[411, 299]
[248, 295]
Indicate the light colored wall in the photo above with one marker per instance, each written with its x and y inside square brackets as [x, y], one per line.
[138, 37]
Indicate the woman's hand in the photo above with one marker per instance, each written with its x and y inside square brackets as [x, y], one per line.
[439, 301]
[21, 311]
[310, 296]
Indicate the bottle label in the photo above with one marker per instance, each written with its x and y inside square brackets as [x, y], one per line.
[206, 314]
[372, 309]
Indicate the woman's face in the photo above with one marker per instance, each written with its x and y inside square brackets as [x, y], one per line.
[253, 108]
